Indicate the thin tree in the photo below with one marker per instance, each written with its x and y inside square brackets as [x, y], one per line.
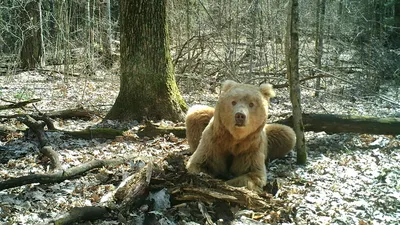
[292, 63]
[148, 87]
[319, 41]
[106, 33]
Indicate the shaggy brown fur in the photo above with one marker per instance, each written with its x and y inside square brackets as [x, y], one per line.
[233, 144]
[281, 139]
[197, 118]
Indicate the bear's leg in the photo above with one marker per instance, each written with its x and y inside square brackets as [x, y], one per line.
[207, 157]
[208, 160]
[251, 170]
[197, 119]
[196, 161]
[281, 139]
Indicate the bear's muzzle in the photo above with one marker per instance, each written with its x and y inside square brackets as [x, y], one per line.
[240, 119]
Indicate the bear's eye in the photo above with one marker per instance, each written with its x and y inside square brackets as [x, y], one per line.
[251, 105]
[233, 102]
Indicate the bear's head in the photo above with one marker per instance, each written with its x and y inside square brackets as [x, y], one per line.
[243, 108]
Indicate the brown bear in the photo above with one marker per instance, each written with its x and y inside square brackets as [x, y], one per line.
[281, 138]
[231, 141]
[234, 142]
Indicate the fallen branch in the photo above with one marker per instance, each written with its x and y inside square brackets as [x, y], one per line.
[72, 113]
[63, 114]
[91, 133]
[276, 86]
[206, 215]
[187, 187]
[150, 130]
[86, 213]
[15, 105]
[221, 192]
[45, 147]
[59, 176]
[385, 98]
[135, 191]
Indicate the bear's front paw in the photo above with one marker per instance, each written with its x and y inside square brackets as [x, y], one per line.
[193, 169]
[245, 181]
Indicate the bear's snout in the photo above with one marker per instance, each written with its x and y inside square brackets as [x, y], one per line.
[240, 119]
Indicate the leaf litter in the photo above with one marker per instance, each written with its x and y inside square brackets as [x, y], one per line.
[349, 178]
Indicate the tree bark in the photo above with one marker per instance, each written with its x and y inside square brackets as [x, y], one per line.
[32, 46]
[106, 33]
[148, 87]
[292, 62]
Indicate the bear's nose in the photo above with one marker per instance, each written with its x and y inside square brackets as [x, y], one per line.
[240, 118]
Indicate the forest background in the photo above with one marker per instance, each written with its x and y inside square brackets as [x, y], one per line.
[241, 40]
[349, 49]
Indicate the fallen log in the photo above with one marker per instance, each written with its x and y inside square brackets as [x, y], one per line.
[331, 123]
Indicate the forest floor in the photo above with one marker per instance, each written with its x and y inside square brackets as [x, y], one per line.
[349, 178]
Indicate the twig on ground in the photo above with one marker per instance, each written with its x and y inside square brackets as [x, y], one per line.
[203, 210]
[385, 98]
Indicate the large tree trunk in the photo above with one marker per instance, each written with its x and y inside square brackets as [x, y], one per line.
[148, 87]
[292, 61]
[32, 46]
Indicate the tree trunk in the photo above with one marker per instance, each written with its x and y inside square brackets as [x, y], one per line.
[395, 34]
[292, 62]
[32, 46]
[319, 40]
[148, 87]
[106, 33]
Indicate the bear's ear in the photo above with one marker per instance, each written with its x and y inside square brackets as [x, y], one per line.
[228, 84]
[267, 90]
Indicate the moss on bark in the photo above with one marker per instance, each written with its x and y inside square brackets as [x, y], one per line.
[148, 87]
